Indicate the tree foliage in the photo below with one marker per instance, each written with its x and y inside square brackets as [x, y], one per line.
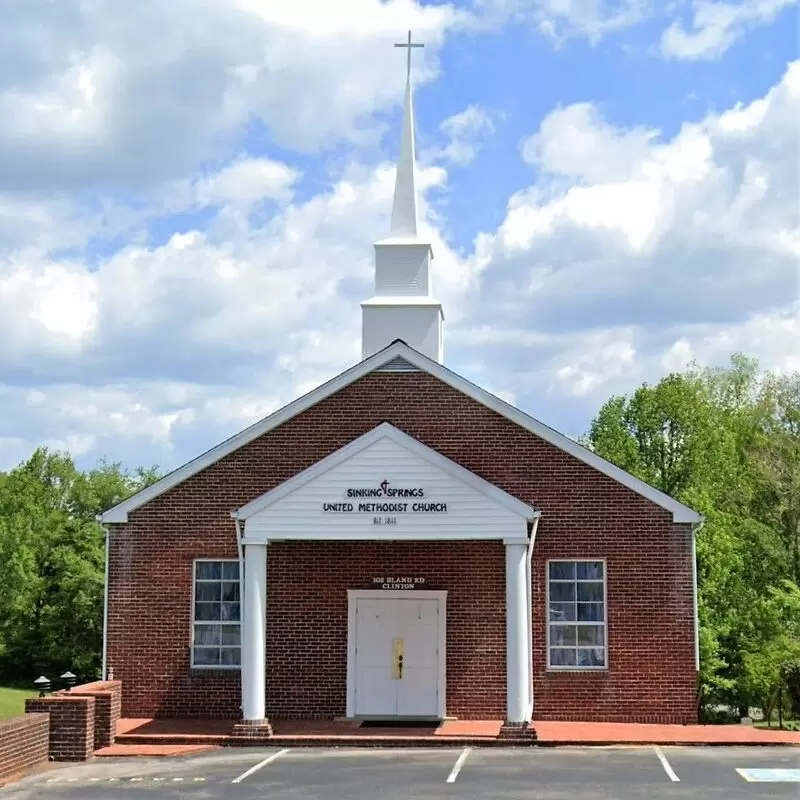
[726, 441]
[52, 554]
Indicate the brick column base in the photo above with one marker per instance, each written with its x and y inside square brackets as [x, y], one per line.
[250, 732]
[517, 730]
[71, 724]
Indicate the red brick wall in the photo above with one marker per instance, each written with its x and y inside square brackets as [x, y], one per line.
[24, 743]
[309, 677]
[71, 725]
[585, 514]
[107, 709]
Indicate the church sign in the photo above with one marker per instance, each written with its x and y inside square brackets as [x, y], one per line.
[385, 499]
[404, 582]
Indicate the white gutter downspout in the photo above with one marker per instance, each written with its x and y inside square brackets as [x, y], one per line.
[240, 552]
[104, 667]
[529, 584]
[695, 531]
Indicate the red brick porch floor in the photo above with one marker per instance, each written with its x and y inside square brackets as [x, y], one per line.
[173, 736]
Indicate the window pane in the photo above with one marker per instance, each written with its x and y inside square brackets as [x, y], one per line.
[562, 612]
[590, 570]
[231, 634]
[206, 656]
[230, 612]
[206, 611]
[207, 591]
[590, 591]
[562, 570]
[562, 658]
[207, 634]
[230, 591]
[562, 592]
[209, 570]
[591, 658]
[590, 612]
[231, 656]
[563, 635]
[591, 635]
[230, 570]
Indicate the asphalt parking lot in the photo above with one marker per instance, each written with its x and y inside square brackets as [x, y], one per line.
[536, 773]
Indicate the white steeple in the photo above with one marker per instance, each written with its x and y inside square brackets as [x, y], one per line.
[403, 306]
[404, 208]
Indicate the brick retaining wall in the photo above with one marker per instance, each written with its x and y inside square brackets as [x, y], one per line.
[24, 743]
[71, 724]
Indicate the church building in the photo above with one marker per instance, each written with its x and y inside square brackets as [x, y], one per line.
[400, 544]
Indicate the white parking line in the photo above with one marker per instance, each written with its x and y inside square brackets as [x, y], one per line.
[664, 763]
[260, 765]
[451, 778]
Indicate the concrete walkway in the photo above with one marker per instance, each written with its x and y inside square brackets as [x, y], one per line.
[149, 737]
[630, 733]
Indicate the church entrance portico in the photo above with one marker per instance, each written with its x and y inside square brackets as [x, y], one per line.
[386, 486]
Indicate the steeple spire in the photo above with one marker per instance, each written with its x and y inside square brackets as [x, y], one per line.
[404, 207]
[403, 305]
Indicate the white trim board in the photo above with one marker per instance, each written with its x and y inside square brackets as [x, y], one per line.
[680, 512]
[354, 595]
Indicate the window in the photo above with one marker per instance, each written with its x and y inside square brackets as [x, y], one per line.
[576, 602]
[216, 627]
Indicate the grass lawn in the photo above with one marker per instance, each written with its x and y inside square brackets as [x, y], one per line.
[763, 723]
[12, 701]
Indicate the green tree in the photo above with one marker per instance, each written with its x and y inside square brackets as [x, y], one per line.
[52, 556]
[777, 459]
[725, 441]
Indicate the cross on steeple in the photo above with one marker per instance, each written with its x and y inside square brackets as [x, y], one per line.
[409, 44]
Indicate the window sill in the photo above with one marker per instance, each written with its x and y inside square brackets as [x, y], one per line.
[214, 668]
[576, 669]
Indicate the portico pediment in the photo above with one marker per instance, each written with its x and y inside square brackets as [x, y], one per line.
[385, 485]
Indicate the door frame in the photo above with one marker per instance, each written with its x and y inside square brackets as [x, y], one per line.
[354, 595]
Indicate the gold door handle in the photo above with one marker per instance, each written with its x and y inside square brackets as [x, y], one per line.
[398, 647]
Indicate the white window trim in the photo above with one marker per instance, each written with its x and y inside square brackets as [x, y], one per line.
[576, 668]
[226, 667]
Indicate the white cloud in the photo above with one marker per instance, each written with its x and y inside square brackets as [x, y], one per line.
[569, 140]
[466, 132]
[715, 26]
[632, 252]
[563, 19]
[772, 338]
[129, 95]
[246, 181]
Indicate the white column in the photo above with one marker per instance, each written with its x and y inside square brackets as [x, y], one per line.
[254, 633]
[517, 633]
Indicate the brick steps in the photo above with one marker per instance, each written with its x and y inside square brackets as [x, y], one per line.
[171, 739]
[310, 740]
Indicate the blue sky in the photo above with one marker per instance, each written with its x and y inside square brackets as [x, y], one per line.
[189, 193]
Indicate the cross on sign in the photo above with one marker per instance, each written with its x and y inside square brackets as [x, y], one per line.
[409, 44]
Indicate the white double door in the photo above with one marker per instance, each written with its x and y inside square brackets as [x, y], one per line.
[398, 669]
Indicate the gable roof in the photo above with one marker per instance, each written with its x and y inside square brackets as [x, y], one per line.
[388, 431]
[390, 359]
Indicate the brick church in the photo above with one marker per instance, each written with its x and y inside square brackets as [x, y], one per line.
[400, 544]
